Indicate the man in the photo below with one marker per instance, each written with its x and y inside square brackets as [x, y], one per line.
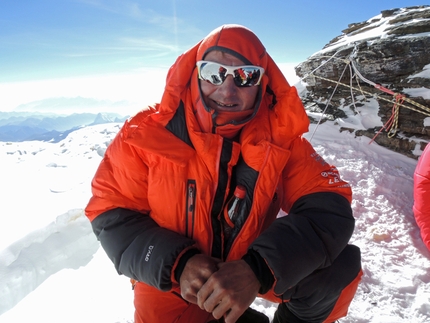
[186, 199]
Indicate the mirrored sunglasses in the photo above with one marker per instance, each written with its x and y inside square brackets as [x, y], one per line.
[243, 76]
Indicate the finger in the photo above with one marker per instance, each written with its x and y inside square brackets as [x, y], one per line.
[189, 291]
[232, 316]
[221, 310]
[213, 302]
[203, 295]
[190, 298]
[189, 295]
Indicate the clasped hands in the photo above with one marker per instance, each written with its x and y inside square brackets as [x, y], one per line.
[225, 289]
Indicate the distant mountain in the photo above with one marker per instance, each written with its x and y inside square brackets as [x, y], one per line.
[24, 126]
[107, 118]
[19, 133]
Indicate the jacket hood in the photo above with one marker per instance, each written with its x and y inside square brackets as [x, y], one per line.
[243, 44]
[275, 92]
[236, 40]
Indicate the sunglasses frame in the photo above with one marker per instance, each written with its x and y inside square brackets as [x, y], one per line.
[230, 70]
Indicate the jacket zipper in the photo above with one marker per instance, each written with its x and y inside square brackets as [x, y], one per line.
[190, 211]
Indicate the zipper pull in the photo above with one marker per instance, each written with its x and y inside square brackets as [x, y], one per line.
[191, 201]
[233, 207]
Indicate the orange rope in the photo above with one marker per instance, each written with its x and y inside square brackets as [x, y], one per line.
[391, 125]
[383, 89]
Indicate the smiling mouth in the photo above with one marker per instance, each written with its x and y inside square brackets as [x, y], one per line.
[224, 105]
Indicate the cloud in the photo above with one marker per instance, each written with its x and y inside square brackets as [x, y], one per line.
[131, 9]
[161, 27]
[149, 44]
[134, 9]
[144, 13]
[142, 87]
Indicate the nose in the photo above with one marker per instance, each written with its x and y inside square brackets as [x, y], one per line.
[228, 88]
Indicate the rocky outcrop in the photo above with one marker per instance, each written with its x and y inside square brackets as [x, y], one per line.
[390, 50]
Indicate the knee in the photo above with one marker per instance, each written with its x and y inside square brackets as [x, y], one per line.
[350, 259]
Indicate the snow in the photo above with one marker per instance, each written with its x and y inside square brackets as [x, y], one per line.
[377, 28]
[52, 268]
[421, 91]
[425, 73]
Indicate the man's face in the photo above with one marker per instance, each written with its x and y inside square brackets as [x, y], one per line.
[227, 96]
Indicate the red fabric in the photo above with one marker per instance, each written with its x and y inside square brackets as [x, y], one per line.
[165, 307]
[146, 167]
[421, 206]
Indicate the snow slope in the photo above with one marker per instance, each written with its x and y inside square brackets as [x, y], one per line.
[52, 268]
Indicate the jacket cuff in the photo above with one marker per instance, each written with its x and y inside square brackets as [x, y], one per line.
[183, 261]
[260, 269]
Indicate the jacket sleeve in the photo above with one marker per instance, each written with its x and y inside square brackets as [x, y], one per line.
[138, 247]
[319, 223]
[310, 237]
[119, 212]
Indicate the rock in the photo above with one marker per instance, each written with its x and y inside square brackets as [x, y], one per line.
[390, 50]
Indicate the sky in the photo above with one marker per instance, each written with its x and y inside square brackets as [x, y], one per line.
[52, 268]
[121, 49]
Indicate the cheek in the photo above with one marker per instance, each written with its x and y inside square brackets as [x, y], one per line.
[250, 94]
[207, 89]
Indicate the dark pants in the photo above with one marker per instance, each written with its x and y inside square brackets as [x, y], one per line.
[325, 295]
[250, 316]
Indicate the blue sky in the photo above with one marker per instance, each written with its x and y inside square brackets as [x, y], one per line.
[60, 39]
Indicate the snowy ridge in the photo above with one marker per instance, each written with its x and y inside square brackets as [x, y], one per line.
[51, 266]
[66, 243]
[54, 270]
[395, 261]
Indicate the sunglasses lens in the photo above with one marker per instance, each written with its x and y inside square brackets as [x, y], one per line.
[243, 75]
[213, 73]
[247, 76]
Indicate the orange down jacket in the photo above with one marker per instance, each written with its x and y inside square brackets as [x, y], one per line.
[422, 194]
[163, 183]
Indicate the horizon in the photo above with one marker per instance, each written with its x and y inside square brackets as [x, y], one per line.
[111, 50]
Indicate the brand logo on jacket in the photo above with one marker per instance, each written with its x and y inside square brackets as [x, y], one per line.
[148, 254]
[332, 176]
